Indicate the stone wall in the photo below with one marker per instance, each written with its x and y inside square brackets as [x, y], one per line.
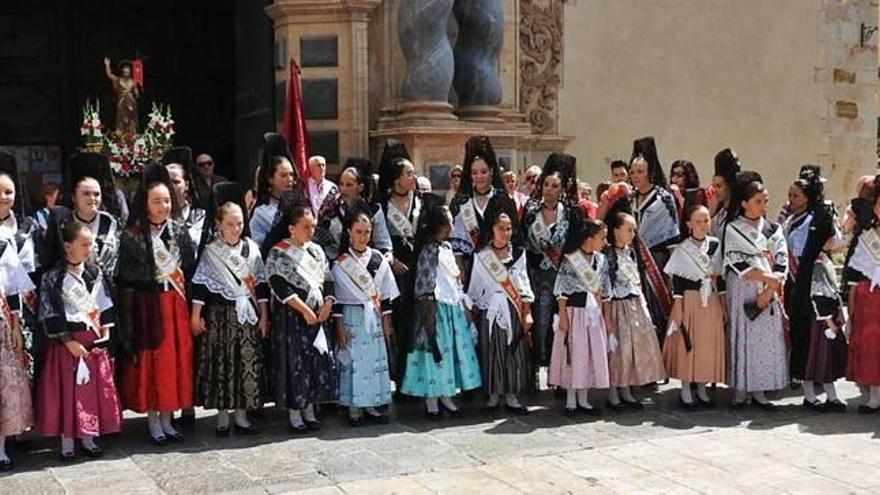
[784, 83]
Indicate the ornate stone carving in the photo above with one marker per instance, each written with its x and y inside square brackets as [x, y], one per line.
[480, 34]
[421, 26]
[540, 39]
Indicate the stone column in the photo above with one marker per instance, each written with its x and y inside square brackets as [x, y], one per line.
[421, 27]
[480, 36]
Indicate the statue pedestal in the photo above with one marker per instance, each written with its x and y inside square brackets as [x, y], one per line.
[480, 113]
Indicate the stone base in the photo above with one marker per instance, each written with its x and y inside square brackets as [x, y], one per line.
[426, 113]
[480, 113]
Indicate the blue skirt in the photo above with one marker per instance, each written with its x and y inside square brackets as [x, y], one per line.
[458, 369]
[363, 376]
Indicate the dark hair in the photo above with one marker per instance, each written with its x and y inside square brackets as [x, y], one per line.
[601, 188]
[646, 149]
[264, 189]
[296, 213]
[479, 148]
[361, 168]
[72, 230]
[810, 181]
[393, 172]
[748, 184]
[498, 206]
[356, 210]
[434, 217]
[691, 209]
[618, 163]
[388, 167]
[691, 178]
[580, 230]
[614, 220]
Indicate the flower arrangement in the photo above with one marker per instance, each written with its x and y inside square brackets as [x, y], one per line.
[91, 128]
[130, 152]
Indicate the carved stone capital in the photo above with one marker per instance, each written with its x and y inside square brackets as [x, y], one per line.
[540, 39]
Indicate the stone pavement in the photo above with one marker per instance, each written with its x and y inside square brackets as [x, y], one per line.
[661, 449]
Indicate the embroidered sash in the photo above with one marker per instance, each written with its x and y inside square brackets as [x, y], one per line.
[541, 232]
[501, 275]
[704, 272]
[361, 277]
[75, 293]
[470, 221]
[168, 268]
[585, 272]
[400, 223]
[234, 271]
[655, 278]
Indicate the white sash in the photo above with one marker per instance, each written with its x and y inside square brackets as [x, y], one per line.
[311, 270]
[74, 293]
[358, 274]
[584, 270]
[168, 268]
[501, 275]
[400, 221]
[866, 257]
[694, 265]
[469, 217]
[229, 265]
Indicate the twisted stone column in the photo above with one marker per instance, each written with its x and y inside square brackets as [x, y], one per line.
[421, 27]
[480, 36]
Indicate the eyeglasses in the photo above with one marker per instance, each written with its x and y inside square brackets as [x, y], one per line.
[677, 174]
[456, 176]
[531, 178]
[205, 163]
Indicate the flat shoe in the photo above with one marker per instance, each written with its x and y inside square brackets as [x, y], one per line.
[708, 404]
[766, 406]
[458, 413]
[570, 412]
[6, 465]
[160, 441]
[245, 430]
[835, 406]
[68, 457]
[816, 406]
[638, 406]
[687, 406]
[589, 411]
[221, 432]
[491, 409]
[299, 430]
[381, 419]
[355, 422]
[95, 453]
[176, 437]
[519, 411]
[866, 409]
[614, 407]
[736, 406]
[433, 416]
[314, 425]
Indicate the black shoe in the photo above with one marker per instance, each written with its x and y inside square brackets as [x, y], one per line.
[766, 406]
[245, 430]
[835, 406]
[687, 406]
[298, 430]
[68, 457]
[615, 407]
[187, 419]
[433, 416]
[589, 411]
[637, 405]
[736, 406]
[570, 412]
[95, 452]
[355, 422]
[381, 419]
[177, 437]
[221, 431]
[491, 410]
[158, 441]
[6, 465]
[457, 413]
[258, 413]
[816, 406]
[708, 404]
[315, 425]
[866, 409]
[520, 410]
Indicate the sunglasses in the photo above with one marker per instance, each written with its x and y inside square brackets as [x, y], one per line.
[206, 163]
[456, 176]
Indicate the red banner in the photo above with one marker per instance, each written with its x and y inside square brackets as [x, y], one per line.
[295, 127]
[137, 71]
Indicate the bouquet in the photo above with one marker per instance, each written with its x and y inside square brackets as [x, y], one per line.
[129, 152]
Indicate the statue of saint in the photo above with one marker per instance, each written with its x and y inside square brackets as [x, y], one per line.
[127, 92]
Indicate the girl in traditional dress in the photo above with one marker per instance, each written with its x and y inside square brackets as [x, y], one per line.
[276, 175]
[653, 207]
[355, 183]
[76, 396]
[726, 168]
[365, 288]
[402, 205]
[635, 357]
[23, 233]
[502, 297]
[442, 359]
[157, 256]
[694, 349]
[862, 273]
[304, 366]
[755, 261]
[16, 413]
[818, 345]
[547, 227]
[580, 352]
[230, 315]
[190, 212]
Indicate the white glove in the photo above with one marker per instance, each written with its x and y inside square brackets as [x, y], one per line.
[830, 334]
[612, 343]
[82, 372]
[473, 330]
[673, 327]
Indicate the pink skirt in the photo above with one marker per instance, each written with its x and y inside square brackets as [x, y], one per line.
[76, 411]
[580, 358]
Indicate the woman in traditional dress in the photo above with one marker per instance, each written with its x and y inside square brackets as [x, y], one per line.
[76, 397]
[862, 274]
[442, 359]
[190, 208]
[23, 233]
[355, 183]
[812, 299]
[365, 288]
[653, 207]
[229, 316]
[684, 184]
[402, 206]
[157, 259]
[635, 357]
[755, 262]
[481, 183]
[547, 227]
[580, 352]
[16, 412]
[726, 168]
[276, 176]
[304, 366]
[502, 297]
[694, 350]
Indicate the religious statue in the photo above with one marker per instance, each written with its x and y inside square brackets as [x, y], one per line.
[127, 92]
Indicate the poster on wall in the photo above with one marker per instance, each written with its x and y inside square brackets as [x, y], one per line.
[38, 165]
